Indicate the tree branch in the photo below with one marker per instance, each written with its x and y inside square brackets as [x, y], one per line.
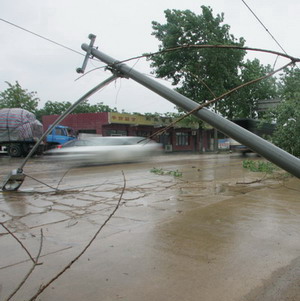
[20, 243]
[148, 55]
[42, 288]
[35, 263]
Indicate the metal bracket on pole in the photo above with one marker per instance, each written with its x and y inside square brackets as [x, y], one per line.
[110, 67]
[92, 37]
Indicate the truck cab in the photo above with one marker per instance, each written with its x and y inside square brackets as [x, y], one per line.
[60, 135]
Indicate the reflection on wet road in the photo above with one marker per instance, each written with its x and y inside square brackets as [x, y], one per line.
[201, 236]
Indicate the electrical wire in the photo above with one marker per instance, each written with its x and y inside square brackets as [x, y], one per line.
[257, 18]
[41, 37]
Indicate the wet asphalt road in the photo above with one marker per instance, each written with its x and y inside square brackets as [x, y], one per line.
[218, 232]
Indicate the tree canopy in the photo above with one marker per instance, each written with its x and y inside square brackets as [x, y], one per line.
[201, 73]
[248, 97]
[287, 113]
[17, 97]
[57, 108]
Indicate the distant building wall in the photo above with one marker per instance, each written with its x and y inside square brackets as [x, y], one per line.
[82, 123]
[176, 139]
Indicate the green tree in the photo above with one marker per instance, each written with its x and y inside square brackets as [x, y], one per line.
[287, 113]
[286, 135]
[52, 108]
[202, 74]
[57, 108]
[198, 73]
[289, 85]
[245, 100]
[85, 107]
[17, 97]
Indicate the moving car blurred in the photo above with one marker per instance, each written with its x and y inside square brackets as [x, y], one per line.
[106, 150]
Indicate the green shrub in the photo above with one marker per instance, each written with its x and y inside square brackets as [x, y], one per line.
[160, 171]
[259, 166]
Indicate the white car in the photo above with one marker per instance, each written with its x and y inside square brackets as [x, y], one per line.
[106, 150]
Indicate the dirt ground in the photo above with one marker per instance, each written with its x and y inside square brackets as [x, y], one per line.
[181, 227]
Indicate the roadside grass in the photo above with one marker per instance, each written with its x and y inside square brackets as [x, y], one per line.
[160, 171]
[260, 166]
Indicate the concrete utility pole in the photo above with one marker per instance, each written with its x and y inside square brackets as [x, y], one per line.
[266, 149]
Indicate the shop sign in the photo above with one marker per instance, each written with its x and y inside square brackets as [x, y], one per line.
[223, 144]
[123, 118]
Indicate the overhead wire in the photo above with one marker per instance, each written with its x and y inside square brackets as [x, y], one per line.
[140, 56]
[166, 50]
[41, 37]
[259, 20]
[149, 54]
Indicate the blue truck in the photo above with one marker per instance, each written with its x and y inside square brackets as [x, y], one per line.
[20, 130]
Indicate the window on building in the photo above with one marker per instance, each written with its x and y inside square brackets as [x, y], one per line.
[182, 139]
[87, 131]
[165, 139]
[116, 133]
[143, 133]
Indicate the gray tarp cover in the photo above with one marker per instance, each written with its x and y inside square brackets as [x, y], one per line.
[19, 125]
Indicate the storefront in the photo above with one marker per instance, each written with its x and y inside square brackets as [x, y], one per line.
[174, 139]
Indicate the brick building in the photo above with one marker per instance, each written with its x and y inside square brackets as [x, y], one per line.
[177, 138]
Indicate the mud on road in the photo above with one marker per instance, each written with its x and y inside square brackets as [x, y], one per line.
[218, 232]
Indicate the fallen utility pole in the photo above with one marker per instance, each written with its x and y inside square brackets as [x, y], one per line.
[264, 148]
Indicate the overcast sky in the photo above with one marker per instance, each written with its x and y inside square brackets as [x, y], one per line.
[123, 30]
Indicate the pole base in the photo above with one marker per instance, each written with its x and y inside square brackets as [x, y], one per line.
[14, 180]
